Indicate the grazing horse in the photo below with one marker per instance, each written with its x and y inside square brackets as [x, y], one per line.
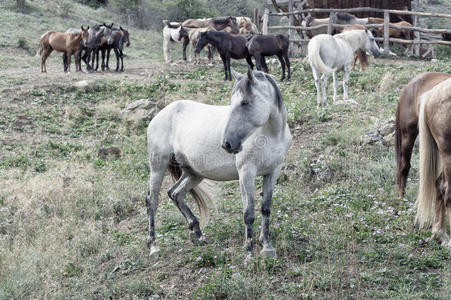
[217, 23]
[406, 124]
[246, 139]
[193, 37]
[329, 54]
[359, 54]
[228, 46]
[173, 32]
[260, 46]
[120, 37]
[69, 43]
[434, 193]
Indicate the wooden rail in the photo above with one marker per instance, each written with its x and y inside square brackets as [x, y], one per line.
[417, 41]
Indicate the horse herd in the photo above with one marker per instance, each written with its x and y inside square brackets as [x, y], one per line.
[251, 137]
[87, 41]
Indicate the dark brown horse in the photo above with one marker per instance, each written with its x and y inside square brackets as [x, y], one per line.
[434, 193]
[260, 46]
[228, 45]
[69, 43]
[406, 130]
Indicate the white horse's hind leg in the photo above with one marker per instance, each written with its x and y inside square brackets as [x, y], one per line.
[335, 77]
[157, 170]
[178, 192]
[324, 80]
[268, 186]
[316, 76]
[247, 176]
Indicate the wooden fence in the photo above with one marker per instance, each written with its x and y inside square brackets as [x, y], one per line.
[386, 25]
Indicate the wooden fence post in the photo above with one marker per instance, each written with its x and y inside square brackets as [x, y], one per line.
[416, 37]
[265, 21]
[330, 27]
[290, 31]
[386, 33]
[256, 20]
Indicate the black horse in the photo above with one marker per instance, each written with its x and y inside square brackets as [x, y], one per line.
[228, 46]
[120, 37]
[260, 46]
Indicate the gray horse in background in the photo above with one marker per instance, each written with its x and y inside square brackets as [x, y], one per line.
[246, 139]
[329, 54]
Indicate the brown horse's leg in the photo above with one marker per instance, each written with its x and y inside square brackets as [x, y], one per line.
[408, 137]
[69, 56]
[44, 56]
[354, 61]
[438, 226]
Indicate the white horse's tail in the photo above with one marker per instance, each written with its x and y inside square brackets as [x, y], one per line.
[314, 57]
[201, 197]
[429, 171]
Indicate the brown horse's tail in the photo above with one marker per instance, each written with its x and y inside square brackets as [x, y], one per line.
[398, 142]
[39, 50]
[199, 194]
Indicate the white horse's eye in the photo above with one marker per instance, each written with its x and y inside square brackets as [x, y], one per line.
[244, 102]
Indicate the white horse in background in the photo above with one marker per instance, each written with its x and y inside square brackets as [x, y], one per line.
[246, 139]
[193, 36]
[173, 32]
[329, 54]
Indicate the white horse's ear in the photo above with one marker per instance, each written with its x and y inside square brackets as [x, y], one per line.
[250, 74]
[236, 75]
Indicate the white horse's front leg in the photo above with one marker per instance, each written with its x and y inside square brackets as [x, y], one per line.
[324, 80]
[316, 76]
[247, 177]
[345, 85]
[166, 50]
[335, 77]
[268, 186]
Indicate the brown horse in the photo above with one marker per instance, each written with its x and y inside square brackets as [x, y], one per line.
[435, 161]
[217, 23]
[393, 32]
[69, 43]
[359, 54]
[406, 129]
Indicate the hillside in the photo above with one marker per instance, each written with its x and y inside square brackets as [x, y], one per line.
[74, 225]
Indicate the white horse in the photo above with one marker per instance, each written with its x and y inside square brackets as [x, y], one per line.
[246, 139]
[173, 32]
[328, 54]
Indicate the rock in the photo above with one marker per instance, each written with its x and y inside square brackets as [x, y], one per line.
[382, 133]
[81, 84]
[387, 82]
[22, 121]
[110, 151]
[141, 110]
[320, 170]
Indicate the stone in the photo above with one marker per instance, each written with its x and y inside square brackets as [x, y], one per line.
[382, 133]
[140, 110]
[113, 152]
[387, 82]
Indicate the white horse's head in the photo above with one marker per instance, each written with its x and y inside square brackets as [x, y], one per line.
[255, 96]
[370, 44]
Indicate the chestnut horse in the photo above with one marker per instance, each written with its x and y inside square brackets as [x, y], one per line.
[406, 129]
[69, 43]
[359, 54]
[434, 193]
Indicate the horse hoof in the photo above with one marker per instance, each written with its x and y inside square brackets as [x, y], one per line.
[197, 239]
[268, 252]
[154, 252]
